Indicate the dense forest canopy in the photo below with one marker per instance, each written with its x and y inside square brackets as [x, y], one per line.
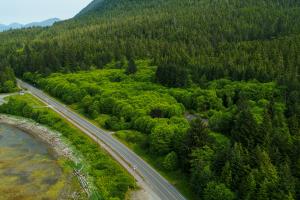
[248, 149]
[235, 63]
[216, 38]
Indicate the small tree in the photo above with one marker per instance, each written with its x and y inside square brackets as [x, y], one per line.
[198, 134]
[226, 175]
[171, 75]
[171, 161]
[132, 68]
[156, 113]
[161, 139]
[215, 191]
[9, 86]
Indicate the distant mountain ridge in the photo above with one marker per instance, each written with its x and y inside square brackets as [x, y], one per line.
[45, 23]
[91, 7]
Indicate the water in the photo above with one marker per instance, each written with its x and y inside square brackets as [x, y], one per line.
[28, 170]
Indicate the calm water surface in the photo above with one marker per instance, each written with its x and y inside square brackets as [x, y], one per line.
[27, 169]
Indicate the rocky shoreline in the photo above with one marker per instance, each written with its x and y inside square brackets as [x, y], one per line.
[58, 147]
[49, 137]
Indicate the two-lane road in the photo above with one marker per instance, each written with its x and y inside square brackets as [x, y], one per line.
[159, 185]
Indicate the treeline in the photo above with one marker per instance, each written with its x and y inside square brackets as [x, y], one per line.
[190, 41]
[259, 162]
[110, 179]
[248, 150]
[7, 80]
[237, 39]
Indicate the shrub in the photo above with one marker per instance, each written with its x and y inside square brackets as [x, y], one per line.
[221, 122]
[114, 123]
[161, 139]
[171, 161]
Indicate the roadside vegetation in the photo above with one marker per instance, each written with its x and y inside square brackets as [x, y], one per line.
[7, 80]
[111, 181]
[239, 142]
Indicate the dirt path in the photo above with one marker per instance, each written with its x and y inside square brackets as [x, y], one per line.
[3, 96]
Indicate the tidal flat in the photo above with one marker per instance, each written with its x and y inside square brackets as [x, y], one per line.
[29, 170]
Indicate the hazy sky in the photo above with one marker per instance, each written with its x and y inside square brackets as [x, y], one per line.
[26, 11]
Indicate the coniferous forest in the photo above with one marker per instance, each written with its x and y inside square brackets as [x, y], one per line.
[209, 88]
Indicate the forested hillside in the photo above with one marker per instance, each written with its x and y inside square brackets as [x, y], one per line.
[234, 63]
[238, 39]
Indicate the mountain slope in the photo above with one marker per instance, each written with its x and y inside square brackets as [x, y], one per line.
[10, 26]
[196, 45]
[45, 23]
[157, 29]
[94, 5]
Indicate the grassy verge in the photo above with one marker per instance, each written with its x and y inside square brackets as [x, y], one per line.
[108, 177]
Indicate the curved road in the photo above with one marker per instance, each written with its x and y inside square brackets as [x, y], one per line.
[160, 186]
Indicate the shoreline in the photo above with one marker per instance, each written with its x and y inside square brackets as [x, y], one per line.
[50, 138]
[56, 146]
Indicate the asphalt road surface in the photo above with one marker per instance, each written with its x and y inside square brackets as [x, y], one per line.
[160, 186]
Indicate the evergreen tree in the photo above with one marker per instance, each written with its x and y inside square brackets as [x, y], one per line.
[265, 130]
[226, 175]
[287, 181]
[245, 128]
[132, 68]
[197, 135]
[248, 187]
[239, 159]
[171, 75]
[214, 191]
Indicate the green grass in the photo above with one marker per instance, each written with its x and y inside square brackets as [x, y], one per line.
[31, 100]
